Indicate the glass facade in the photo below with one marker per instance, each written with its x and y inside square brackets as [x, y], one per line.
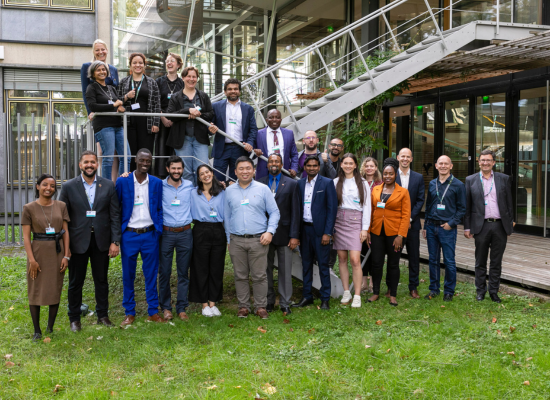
[457, 118]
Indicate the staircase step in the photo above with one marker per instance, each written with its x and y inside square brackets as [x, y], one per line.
[352, 85]
[335, 95]
[286, 124]
[401, 57]
[302, 114]
[431, 39]
[366, 77]
[317, 106]
[418, 48]
[385, 67]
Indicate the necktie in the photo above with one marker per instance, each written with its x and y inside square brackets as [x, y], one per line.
[274, 186]
[276, 142]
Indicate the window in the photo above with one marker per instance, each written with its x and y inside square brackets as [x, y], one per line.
[65, 4]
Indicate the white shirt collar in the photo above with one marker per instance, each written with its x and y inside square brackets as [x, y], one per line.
[406, 174]
[238, 103]
[142, 183]
[278, 130]
[312, 182]
[83, 180]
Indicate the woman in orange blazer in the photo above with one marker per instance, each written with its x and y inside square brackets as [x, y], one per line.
[391, 213]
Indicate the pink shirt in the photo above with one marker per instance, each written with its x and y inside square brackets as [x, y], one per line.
[490, 198]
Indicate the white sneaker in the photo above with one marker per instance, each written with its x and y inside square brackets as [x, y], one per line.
[207, 312]
[215, 312]
[346, 298]
[356, 301]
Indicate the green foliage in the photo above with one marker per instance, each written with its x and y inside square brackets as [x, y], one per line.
[130, 8]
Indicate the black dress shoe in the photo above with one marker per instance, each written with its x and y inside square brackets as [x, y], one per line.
[448, 297]
[495, 298]
[286, 310]
[431, 295]
[75, 326]
[325, 305]
[303, 303]
[480, 297]
[104, 321]
[36, 337]
[270, 307]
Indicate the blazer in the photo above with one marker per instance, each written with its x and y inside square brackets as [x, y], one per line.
[177, 131]
[288, 203]
[125, 191]
[475, 203]
[153, 102]
[290, 160]
[324, 205]
[250, 129]
[106, 222]
[85, 81]
[395, 217]
[416, 194]
[327, 170]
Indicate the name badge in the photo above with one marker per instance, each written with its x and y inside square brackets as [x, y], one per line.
[307, 201]
[356, 200]
[110, 102]
[441, 207]
[233, 122]
[274, 149]
[381, 205]
[244, 202]
[90, 214]
[176, 202]
[135, 106]
[198, 108]
[138, 202]
[50, 231]
[486, 203]
[169, 96]
[213, 214]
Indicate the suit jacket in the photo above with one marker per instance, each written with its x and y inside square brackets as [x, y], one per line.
[250, 129]
[106, 222]
[475, 203]
[324, 205]
[395, 216]
[416, 194]
[327, 170]
[290, 160]
[288, 203]
[125, 191]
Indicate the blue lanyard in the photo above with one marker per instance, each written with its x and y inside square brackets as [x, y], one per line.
[483, 185]
[138, 88]
[445, 192]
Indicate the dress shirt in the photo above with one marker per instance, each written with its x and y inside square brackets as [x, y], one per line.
[308, 195]
[270, 138]
[141, 217]
[454, 201]
[176, 216]
[201, 208]
[234, 118]
[351, 200]
[277, 180]
[250, 219]
[90, 190]
[405, 178]
[490, 197]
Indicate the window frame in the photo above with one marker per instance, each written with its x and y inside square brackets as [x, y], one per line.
[49, 5]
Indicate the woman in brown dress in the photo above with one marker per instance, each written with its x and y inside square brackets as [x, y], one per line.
[48, 253]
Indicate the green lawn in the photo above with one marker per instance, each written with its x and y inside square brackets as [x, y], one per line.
[421, 349]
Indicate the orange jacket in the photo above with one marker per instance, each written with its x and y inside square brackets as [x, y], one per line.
[397, 214]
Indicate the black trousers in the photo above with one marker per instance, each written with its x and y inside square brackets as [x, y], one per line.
[381, 246]
[413, 252]
[208, 262]
[493, 237]
[161, 149]
[78, 267]
[139, 138]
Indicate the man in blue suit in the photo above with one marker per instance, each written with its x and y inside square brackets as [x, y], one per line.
[414, 183]
[276, 140]
[237, 119]
[140, 196]
[318, 206]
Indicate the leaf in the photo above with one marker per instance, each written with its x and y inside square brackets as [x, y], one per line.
[379, 322]
[311, 331]
[387, 351]
[9, 364]
[256, 371]
[494, 320]
[511, 353]
[90, 338]
[8, 356]
[231, 325]
[269, 389]
[318, 307]
[499, 332]
[57, 388]
[534, 326]
[367, 346]
[237, 387]
[512, 329]
[442, 306]
[47, 340]
[261, 329]
[213, 387]
[169, 379]
[290, 330]
[286, 321]
[99, 337]
[527, 383]
[11, 308]
[284, 314]
[113, 393]
[530, 305]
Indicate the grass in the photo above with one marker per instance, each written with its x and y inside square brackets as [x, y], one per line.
[421, 349]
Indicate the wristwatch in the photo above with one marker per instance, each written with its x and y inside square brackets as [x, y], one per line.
[68, 258]
[117, 244]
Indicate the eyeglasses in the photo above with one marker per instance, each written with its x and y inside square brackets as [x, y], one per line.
[310, 138]
[340, 146]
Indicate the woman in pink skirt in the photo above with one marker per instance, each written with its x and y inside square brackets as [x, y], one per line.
[352, 224]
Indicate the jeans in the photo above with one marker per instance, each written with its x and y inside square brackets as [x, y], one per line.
[111, 139]
[440, 239]
[192, 148]
[230, 154]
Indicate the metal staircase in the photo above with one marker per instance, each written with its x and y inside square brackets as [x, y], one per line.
[344, 98]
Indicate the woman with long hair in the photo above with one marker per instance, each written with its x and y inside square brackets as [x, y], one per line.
[209, 242]
[352, 224]
[48, 253]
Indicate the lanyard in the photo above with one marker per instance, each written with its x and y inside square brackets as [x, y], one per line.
[138, 88]
[107, 93]
[241, 189]
[46, 218]
[483, 184]
[445, 192]
[169, 88]
[88, 194]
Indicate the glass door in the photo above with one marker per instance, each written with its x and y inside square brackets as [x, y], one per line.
[490, 128]
[457, 119]
[423, 143]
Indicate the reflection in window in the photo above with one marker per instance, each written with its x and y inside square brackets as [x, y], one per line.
[490, 127]
[423, 143]
[79, 4]
[457, 117]
[28, 93]
[467, 11]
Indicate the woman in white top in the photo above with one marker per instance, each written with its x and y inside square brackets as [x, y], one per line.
[352, 224]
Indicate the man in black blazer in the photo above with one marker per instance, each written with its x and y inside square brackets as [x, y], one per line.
[488, 219]
[414, 183]
[286, 236]
[95, 234]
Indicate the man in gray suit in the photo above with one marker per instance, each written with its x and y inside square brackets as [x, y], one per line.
[488, 219]
[285, 240]
[95, 233]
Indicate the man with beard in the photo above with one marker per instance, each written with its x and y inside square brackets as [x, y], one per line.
[176, 235]
[311, 141]
[285, 240]
[336, 148]
[94, 229]
[237, 120]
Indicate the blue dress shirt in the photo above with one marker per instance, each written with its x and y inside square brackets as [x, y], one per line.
[250, 219]
[201, 208]
[176, 216]
[454, 201]
[277, 179]
[90, 190]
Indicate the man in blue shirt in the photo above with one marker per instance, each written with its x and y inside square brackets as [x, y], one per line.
[249, 233]
[176, 235]
[445, 208]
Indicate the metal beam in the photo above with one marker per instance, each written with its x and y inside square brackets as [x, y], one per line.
[226, 17]
[188, 36]
[244, 15]
[289, 6]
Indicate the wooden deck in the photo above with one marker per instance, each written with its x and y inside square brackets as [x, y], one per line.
[526, 260]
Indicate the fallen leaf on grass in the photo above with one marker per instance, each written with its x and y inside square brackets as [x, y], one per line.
[231, 325]
[512, 329]
[528, 358]
[284, 314]
[499, 332]
[269, 389]
[370, 369]
[286, 321]
[57, 388]
[47, 340]
[367, 346]
[261, 329]
[422, 280]
[290, 330]
[530, 305]
[494, 320]
[9, 364]
[527, 383]
[379, 322]
[534, 326]
[169, 379]
[318, 307]
[442, 306]
[89, 349]
[387, 351]
[99, 337]
[311, 331]
[237, 387]
[11, 308]
[213, 387]
[256, 371]
[171, 323]
[511, 353]
[8, 356]
[90, 338]
[113, 393]
[418, 391]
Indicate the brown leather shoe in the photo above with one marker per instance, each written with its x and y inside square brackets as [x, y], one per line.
[129, 320]
[183, 316]
[155, 318]
[414, 294]
[243, 313]
[75, 326]
[262, 313]
[387, 294]
[105, 321]
[168, 315]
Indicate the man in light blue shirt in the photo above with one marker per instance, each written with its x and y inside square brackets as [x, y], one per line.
[176, 235]
[249, 233]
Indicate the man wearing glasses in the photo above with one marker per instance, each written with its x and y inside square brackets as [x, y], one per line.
[310, 148]
[336, 148]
